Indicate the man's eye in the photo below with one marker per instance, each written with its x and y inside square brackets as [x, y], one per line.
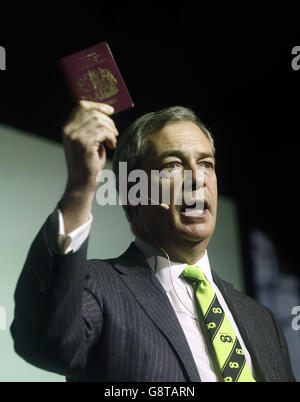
[207, 164]
[172, 165]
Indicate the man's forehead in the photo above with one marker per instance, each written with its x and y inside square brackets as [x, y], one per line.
[179, 137]
[178, 127]
[182, 154]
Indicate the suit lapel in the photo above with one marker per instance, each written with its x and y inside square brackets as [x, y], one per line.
[139, 278]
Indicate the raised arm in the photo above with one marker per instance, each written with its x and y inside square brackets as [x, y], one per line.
[57, 303]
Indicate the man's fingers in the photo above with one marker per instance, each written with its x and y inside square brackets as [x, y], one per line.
[80, 116]
[101, 135]
[97, 120]
[94, 130]
[85, 134]
[101, 107]
[91, 119]
[105, 120]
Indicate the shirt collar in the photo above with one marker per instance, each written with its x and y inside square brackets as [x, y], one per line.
[159, 264]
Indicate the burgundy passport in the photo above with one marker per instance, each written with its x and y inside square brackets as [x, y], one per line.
[92, 74]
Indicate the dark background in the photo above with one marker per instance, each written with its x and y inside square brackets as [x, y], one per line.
[229, 61]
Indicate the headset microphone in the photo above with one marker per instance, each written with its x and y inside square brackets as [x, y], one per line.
[162, 205]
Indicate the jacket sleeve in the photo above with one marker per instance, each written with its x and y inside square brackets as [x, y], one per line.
[58, 314]
[285, 357]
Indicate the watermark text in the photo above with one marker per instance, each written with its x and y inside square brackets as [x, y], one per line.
[2, 319]
[2, 58]
[138, 187]
[296, 320]
[296, 59]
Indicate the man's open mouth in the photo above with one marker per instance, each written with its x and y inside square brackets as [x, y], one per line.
[197, 209]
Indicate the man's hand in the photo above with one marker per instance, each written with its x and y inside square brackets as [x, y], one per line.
[88, 128]
[84, 136]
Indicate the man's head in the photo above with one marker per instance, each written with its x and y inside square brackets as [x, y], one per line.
[172, 141]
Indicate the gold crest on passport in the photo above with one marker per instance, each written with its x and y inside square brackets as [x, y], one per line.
[92, 74]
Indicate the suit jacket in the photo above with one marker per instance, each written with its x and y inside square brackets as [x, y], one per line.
[111, 320]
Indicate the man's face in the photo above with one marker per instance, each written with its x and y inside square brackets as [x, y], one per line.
[177, 148]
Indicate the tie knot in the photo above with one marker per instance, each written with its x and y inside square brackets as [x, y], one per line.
[193, 275]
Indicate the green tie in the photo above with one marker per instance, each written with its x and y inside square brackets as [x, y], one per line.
[229, 353]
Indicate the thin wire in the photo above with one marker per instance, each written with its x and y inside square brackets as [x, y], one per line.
[193, 315]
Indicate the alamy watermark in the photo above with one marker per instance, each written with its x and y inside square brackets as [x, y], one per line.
[296, 320]
[2, 319]
[138, 187]
[296, 60]
[2, 58]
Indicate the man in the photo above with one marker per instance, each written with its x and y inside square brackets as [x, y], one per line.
[158, 312]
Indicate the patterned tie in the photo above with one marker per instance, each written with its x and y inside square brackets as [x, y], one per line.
[228, 351]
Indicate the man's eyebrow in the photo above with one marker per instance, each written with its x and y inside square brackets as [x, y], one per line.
[181, 154]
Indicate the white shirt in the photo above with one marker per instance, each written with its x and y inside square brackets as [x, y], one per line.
[178, 291]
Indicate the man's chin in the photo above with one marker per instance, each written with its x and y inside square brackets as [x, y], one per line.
[194, 234]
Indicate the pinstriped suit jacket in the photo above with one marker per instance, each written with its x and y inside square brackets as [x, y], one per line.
[110, 320]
